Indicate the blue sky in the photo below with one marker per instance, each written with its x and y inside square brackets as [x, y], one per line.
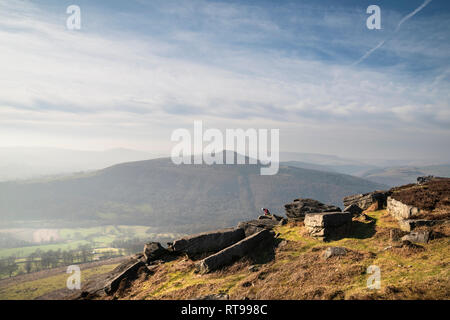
[137, 70]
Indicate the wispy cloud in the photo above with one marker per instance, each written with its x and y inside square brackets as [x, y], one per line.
[403, 20]
[227, 64]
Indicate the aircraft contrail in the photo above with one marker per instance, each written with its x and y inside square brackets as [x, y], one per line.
[405, 18]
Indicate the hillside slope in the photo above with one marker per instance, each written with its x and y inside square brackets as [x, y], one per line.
[297, 269]
[184, 198]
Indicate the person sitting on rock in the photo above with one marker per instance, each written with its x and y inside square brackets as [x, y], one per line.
[266, 211]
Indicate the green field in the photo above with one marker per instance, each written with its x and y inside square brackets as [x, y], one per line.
[25, 251]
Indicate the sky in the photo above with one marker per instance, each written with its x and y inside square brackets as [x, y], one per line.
[137, 70]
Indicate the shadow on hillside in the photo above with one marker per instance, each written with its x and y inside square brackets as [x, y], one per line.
[264, 253]
[361, 230]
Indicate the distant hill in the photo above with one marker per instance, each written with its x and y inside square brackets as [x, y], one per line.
[395, 176]
[184, 198]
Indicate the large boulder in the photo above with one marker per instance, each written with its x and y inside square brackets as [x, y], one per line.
[107, 284]
[399, 210]
[354, 210]
[299, 207]
[254, 226]
[364, 201]
[208, 242]
[236, 251]
[327, 226]
[154, 251]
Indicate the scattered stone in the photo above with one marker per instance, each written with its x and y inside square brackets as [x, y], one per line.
[328, 225]
[208, 242]
[153, 251]
[299, 207]
[364, 201]
[334, 251]
[422, 236]
[399, 210]
[353, 209]
[235, 251]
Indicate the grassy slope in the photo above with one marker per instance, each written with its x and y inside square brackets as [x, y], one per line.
[299, 270]
[32, 289]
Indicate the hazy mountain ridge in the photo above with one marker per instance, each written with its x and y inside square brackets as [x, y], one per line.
[18, 163]
[159, 193]
[394, 176]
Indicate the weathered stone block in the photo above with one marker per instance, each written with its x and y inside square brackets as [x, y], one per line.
[399, 210]
[236, 251]
[208, 242]
[364, 201]
[328, 225]
[153, 251]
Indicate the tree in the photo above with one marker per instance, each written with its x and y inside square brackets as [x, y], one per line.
[11, 265]
[85, 252]
[68, 257]
[28, 264]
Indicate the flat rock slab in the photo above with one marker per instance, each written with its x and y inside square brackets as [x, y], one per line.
[208, 242]
[364, 201]
[235, 252]
[300, 207]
